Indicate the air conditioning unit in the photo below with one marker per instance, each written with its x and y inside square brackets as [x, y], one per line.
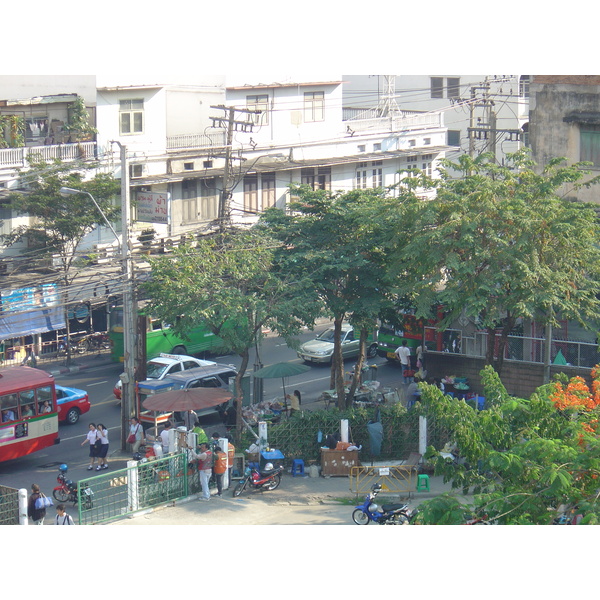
[136, 171]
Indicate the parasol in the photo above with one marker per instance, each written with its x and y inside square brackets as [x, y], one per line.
[283, 370]
[189, 399]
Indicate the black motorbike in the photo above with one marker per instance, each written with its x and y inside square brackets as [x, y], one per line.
[386, 514]
[268, 478]
[66, 490]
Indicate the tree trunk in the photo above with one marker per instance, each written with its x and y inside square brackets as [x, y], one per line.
[239, 395]
[337, 363]
[364, 333]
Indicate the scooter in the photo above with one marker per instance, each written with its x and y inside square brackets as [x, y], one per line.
[387, 514]
[66, 490]
[267, 479]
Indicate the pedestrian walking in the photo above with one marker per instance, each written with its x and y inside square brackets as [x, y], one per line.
[35, 514]
[136, 434]
[62, 518]
[403, 355]
[103, 451]
[92, 439]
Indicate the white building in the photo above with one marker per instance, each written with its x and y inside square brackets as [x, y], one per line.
[483, 113]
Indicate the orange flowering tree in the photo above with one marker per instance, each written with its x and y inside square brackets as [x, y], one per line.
[523, 461]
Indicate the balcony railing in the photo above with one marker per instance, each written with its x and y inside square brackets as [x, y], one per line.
[195, 140]
[20, 157]
[405, 120]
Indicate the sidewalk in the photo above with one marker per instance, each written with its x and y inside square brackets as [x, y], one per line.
[57, 366]
[298, 501]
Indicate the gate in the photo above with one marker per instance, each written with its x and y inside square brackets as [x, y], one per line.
[396, 479]
[9, 506]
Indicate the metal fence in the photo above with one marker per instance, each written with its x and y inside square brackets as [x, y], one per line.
[138, 487]
[9, 506]
[521, 348]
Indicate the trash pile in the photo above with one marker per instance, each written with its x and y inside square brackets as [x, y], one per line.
[267, 410]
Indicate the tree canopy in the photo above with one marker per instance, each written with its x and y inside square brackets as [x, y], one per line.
[228, 283]
[340, 242]
[502, 243]
[526, 461]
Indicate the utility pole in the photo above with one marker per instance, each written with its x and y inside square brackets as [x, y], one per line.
[129, 321]
[230, 124]
[486, 127]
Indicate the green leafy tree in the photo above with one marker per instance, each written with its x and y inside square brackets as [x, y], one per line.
[526, 461]
[58, 224]
[228, 283]
[340, 242]
[503, 244]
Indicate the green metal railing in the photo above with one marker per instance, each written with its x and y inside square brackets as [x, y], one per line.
[9, 505]
[139, 487]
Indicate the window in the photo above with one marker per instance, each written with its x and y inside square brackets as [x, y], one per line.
[136, 171]
[268, 185]
[131, 113]
[319, 179]
[437, 87]
[453, 138]
[259, 102]
[361, 178]
[524, 86]
[376, 147]
[589, 144]
[189, 196]
[251, 194]
[209, 199]
[453, 87]
[377, 178]
[362, 148]
[314, 106]
[188, 166]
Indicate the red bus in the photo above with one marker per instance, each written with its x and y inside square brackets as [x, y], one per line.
[29, 414]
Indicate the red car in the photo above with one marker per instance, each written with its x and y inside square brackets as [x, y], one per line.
[71, 403]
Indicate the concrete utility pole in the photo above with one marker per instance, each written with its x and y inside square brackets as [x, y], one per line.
[229, 122]
[129, 312]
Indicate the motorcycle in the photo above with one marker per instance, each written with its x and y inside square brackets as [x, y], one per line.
[387, 514]
[267, 479]
[66, 490]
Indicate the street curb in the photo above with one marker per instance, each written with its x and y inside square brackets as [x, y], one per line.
[58, 370]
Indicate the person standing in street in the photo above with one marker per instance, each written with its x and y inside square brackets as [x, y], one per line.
[190, 419]
[103, 452]
[35, 514]
[62, 518]
[91, 438]
[219, 468]
[403, 355]
[205, 460]
[164, 437]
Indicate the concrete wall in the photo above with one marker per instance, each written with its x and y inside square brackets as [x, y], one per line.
[552, 99]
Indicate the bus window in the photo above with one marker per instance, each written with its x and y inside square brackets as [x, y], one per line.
[27, 403]
[156, 325]
[8, 405]
[44, 400]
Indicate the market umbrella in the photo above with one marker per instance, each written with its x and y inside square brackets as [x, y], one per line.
[283, 370]
[189, 399]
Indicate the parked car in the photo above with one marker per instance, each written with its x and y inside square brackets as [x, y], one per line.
[320, 350]
[165, 365]
[71, 403]
[212, 376]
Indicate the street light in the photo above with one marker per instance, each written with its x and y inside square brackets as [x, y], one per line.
[67, 191]
[128, 313]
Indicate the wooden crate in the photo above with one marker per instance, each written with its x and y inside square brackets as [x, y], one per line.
[338, 463]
